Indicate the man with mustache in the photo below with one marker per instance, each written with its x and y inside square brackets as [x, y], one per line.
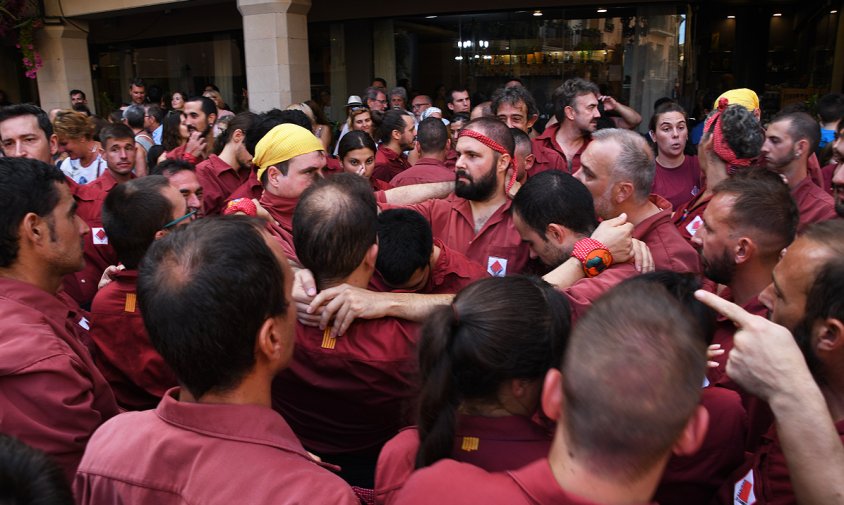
[199, 115]
[576, 111]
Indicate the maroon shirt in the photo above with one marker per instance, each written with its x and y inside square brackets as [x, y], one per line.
[251, 189]
[497, 246]
[694, 479]
[52, 396]
[688, 218]
[678, 184]
[180, 153]
[425, 170]
[451, 483]
[218, 180]
[496, 444]
[669, 249]
[281, 210]
[98, 253]
[724, 331]
[452, 272]
[388, 164]
[136, 372]
[548, 141]
[828, 172]
[352, 393]
[584, 292]
[184, 452]
[765, 477]
[546, 158]
[813, 203]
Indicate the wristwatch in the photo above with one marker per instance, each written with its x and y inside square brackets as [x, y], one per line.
[593, 255]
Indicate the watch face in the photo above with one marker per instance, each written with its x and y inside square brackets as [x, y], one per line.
[597, 260]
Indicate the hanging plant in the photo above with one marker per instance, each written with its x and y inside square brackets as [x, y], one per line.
[23, 17]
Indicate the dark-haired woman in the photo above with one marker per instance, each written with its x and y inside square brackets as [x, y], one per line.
[677, 176]
[481, 361]
[357, 156]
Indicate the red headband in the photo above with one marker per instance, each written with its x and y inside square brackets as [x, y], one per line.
[719, 143]
[495, 146]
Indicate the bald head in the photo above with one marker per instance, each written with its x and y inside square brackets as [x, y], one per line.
[634, 161]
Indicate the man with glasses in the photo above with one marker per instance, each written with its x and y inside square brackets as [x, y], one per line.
[396, 134]
[118, 142]
[419, 105]
[135, 214]
[376, 99]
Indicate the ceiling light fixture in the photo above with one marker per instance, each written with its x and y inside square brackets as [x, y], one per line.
[602, 10]
[537, 13]
[778, 14]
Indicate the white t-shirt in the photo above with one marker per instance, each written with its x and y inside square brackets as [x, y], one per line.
[80, 174]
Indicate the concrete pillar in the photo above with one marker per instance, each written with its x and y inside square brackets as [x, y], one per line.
[64, 51]
[384, 41]
[339, 89]
[275, 36]
[223, 72]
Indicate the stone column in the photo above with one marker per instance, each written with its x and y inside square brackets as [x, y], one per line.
[275, 34]
[384, 53]
[64, 51]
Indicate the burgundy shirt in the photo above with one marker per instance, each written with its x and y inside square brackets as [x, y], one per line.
[679, 184]
[548, 141]
[251, 189]
[352, 393]
[52, 396]
[497, 247]
[764, 478]
[98, 253]
[388, 164]
[813, 203]
[584, 292]
[451, 483]
[828, 172]
[425, 170]
[688, 218]
[546, 158]
[694, 479]
[724, 331]
[669, 249]
[218, 180]
[136, 372]
[281, 210]
[496, 444]
[452, 272]
[184, 452]
[180, 153]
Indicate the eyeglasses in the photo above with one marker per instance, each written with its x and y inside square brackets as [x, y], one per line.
[179, 220]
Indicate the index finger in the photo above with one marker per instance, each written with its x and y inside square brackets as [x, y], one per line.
[730, 310]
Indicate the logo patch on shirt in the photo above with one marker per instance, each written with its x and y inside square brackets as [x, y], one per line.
[470, 444]
[743, 491]
[496, 267]
[99, 236]
[84, 323]
[328, 342]
[131, 302]
[694, 226]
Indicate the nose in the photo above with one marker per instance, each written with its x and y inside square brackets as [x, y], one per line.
[532, 254]
[19, 151]
[82, 226]
[510, 123]
[193, 201]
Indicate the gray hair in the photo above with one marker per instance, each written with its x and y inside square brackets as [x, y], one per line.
[398, 91]
[635, 161]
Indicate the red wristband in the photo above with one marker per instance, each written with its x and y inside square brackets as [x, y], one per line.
[593, 255]
[244, 205]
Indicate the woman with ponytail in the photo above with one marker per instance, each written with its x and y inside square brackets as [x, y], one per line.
[481, 362]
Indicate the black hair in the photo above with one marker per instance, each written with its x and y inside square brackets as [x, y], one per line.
[171, 138]
[405, 244]
[205, 290]
[801, 126]
[381, 80]
[334, 225]
[132, 213]
[263, 123]
[825, 300]
[831, 107]
[497, 329]
[30, 477]
[156, 112]
[28, 109]
[77, 92]
[513, 95]
[355, 140]
[170, 167]
[495, 130]
[432, 135]
[242, 121]
[663, 108]
[138, 82]
[393, 120]
[208, 106]
[564, 95]
[26, 185]
[154, 153]
[556, 197]
[452, 91]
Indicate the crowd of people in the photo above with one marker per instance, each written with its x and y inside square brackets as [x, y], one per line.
[424, 304]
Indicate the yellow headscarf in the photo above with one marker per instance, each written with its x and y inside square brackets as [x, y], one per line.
[282, 143]
[742, 96]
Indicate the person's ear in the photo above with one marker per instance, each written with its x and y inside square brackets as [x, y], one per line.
[212, 118]
[54, 144]
[552, 394]
[34, 229]
[504, 162]
[556, 234]
[694, 433]
[272, 340]
[530, 159]
[532, 120]
[623, 191]
[744, 250]
[830, 335]
[238, 136]
[371, 255]
[651, 135]
[569, 112]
